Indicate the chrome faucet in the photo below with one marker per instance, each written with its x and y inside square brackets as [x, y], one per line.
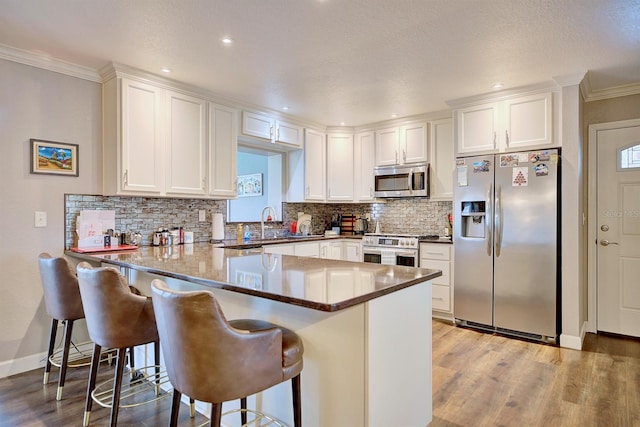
[273, 218]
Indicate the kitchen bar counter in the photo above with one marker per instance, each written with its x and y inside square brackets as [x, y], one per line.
[288, 279]
[366, 328]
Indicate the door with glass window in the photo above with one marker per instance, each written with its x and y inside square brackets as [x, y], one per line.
[618, 234]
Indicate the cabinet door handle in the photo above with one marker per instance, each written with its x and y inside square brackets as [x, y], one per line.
[506, 137]
[396, 156]
[438, 298]
[494, 139]
[125, 178]
[404, 155]
[278, 134]
[271, 133]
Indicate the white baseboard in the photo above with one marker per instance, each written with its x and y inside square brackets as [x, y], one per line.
[572, 341]
[24, 364]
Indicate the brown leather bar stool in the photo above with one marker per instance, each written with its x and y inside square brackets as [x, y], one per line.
[215, 360]
[63, 303]
[116, 318]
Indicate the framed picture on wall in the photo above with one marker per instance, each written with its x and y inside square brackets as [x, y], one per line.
[54, 158]
[250, 185]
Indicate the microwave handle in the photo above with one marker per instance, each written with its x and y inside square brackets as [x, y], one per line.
[410, 178]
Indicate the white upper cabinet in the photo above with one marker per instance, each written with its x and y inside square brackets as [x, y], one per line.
[186, 144]
[413, 143]
[442, 159]
[387, 142]
[223, 151]
[517, 123]
[340, 177]
[400, 145]
[136, 151]
[158, 141]
[364, 162]
[477, 128]
[528, 121]
[276, 131]
[315, 165]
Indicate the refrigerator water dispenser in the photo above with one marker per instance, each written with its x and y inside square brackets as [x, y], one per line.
[473, 219]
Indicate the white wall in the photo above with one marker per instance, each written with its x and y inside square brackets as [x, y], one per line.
[36, 103]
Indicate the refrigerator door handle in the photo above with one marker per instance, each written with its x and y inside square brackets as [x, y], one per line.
[410, 180]
[488, 220]
[498, 220]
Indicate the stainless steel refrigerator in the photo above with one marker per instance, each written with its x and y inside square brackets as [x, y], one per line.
[506, 243]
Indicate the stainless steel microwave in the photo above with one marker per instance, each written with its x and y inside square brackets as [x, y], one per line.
[411, 180]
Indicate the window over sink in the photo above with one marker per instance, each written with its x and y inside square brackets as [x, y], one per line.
[269, 166]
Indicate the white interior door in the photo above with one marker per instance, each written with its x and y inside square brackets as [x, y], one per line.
[618, 234]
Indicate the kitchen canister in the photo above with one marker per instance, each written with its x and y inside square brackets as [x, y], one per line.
[188, 237]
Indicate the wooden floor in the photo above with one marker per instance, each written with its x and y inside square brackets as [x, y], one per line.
[488, 380]
[478, 380]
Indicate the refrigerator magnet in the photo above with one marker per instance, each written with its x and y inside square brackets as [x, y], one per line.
[509, 160]
[520, 177]
[541, 169]
[481, 166]
[462, 176]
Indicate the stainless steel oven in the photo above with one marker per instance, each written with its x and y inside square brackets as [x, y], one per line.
[390, 249]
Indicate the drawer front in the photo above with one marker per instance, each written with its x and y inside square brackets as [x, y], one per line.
[445, 266]
[440, 297]
[435, 251]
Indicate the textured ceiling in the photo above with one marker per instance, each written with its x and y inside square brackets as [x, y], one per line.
[333, 61]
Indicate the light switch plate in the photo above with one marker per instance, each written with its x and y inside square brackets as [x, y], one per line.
[202, 215]
[40, 219]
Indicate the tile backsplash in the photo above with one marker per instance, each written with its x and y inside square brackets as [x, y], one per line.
[146, 215]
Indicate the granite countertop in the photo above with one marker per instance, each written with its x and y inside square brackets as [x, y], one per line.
[320, 284]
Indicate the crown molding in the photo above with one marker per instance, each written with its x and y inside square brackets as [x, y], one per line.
[48, 63]
[613, 92]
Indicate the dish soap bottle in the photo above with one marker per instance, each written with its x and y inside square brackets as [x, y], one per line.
[247, 233]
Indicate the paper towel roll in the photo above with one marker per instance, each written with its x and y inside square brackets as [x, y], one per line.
[217, 227]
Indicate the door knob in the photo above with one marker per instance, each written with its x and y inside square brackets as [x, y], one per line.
[605, 242]
[604, 227]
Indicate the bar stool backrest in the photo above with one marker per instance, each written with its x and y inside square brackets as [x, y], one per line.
[115, 316]
[208, 359]
[60, 286]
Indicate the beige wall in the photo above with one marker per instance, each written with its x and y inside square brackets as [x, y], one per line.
[35, 103]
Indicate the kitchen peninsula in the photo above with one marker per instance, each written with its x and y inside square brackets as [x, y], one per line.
[366, 327]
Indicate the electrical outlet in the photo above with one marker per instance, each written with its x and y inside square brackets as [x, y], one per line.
[202, 215]
[40, 219]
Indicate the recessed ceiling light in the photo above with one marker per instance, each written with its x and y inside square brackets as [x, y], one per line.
[498, 85]
[394, 115]
[165, 70]
[285, 108]
[341, 123]
[227, 41]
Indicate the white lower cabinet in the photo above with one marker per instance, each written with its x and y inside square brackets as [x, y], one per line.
[285, 249]
[331, 249]
[341, 249]
[352, 250]
[437, 256]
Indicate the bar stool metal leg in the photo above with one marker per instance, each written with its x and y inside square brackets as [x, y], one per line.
[117, 386]
[297, 404]
[52, 344]
[216, 414]
[243, 410]
[93, 374]
[175, 408]
[68, 329]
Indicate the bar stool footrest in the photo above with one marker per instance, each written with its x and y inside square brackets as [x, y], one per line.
[145, 388]
[79, 355]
